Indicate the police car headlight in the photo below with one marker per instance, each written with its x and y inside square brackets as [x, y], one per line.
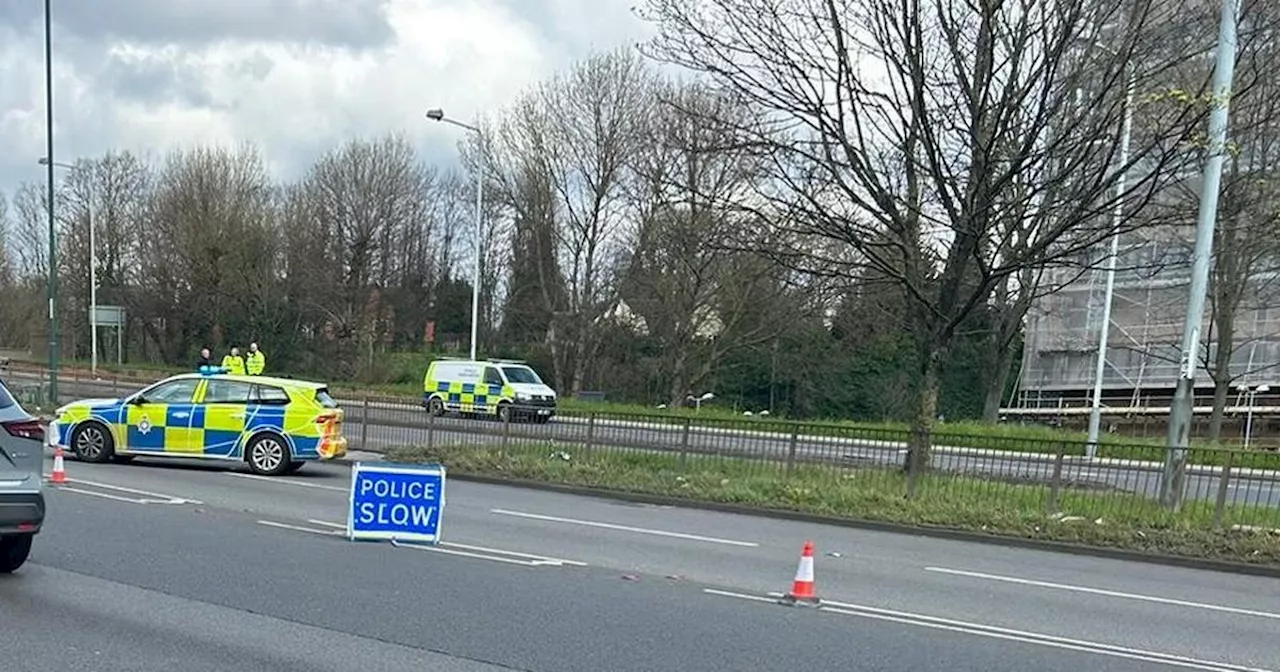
[521, 396]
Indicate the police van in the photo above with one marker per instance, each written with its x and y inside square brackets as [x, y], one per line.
[501, 388]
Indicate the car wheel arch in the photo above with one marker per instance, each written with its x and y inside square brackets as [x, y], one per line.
[250, 436]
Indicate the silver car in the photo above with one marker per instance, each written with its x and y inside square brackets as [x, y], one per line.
[21, 481]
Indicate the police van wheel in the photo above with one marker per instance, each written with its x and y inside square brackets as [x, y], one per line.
[435, 406]
[504, 412]
[267, 455]
[92, 442]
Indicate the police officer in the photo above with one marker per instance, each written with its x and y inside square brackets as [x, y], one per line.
[206, 359]
[234, 363]
[256, 362]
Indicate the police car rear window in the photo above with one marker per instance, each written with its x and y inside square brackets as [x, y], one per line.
[265, 394]
[6, 399]
[322, 396]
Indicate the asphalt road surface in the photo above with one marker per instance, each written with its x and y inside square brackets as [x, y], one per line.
[164, 566]
[390, 425]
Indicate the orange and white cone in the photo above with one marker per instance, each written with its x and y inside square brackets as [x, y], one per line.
[59, 474]
[802, 589]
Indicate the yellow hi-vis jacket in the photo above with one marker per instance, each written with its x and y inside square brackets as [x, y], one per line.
[234, 364]
[256, 362]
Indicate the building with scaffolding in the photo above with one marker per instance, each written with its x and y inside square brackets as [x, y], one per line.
[1063, 327]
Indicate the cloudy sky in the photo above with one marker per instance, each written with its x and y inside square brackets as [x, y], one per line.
[295, 77]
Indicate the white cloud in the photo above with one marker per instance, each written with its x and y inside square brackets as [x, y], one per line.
[332, 70]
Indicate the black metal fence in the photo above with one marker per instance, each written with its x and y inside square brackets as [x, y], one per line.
[968, 474]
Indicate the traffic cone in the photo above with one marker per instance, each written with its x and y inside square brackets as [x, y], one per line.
[59, 474]
[802, 589]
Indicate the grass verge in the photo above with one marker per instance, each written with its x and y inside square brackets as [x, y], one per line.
[1085, 513]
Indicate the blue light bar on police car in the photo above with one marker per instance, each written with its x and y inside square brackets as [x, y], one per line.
[211, 370]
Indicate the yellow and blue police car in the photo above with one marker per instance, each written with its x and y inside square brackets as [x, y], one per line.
[273, 424]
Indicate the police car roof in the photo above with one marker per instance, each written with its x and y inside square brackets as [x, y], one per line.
[265, 380]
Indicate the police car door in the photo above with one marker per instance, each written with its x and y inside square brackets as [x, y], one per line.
[226, 405]
[158, 419]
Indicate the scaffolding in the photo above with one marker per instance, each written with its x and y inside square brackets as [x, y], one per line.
[1144, 350]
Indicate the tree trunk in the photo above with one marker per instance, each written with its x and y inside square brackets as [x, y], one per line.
[1221, 374]
[919, 447]
[997, 383]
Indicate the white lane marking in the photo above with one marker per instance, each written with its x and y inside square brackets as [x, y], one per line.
[452, 549]
[135, 491]
[624, 528]
[995, 632]
[1107, 593]
[299, 528]
[285, 481]
[469, 547]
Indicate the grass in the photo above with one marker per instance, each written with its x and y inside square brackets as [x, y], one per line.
[1085, 513]
[1011, 437]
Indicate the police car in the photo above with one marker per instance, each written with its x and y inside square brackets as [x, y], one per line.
[273, 424]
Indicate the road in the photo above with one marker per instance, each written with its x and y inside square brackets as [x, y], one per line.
[397, 424]
[162, 565]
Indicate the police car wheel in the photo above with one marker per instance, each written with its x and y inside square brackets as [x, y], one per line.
[92, 442]
[268, 455]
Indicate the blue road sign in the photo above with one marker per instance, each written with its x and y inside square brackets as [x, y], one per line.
[401, 502]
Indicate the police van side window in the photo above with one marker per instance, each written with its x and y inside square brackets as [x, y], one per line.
[273, 396]
[492, 377]
[227, 392]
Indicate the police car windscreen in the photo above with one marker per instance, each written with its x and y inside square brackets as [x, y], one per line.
[521, 375]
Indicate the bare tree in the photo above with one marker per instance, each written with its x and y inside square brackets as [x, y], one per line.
[358, 208]
[919, 138]
[562, 160]
[207, 262]
[699, 300]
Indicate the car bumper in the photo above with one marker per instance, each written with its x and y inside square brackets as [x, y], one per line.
[331, 449]
[21, 512]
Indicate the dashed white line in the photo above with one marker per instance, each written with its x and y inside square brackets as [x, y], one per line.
[1107, 593]
[286, 481]
[445, 547]
[995, 632]
[469, 547]
[624, 528]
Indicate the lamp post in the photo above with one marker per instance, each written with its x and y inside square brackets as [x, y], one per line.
[53, 240]
[438, 115]
[698, 401]
[1251, 398]
[1172, 479]
[93, 268]
[1095, 411]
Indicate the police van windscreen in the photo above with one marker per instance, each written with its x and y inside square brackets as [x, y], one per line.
[521, 375]
[322, 396]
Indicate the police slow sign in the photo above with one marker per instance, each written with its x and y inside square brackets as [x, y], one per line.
[401, 502]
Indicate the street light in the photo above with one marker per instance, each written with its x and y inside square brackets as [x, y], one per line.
[53, 240]
[697, 401]
[437, 114]
[1251, 398]
[1095, 412]
[93, 267]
